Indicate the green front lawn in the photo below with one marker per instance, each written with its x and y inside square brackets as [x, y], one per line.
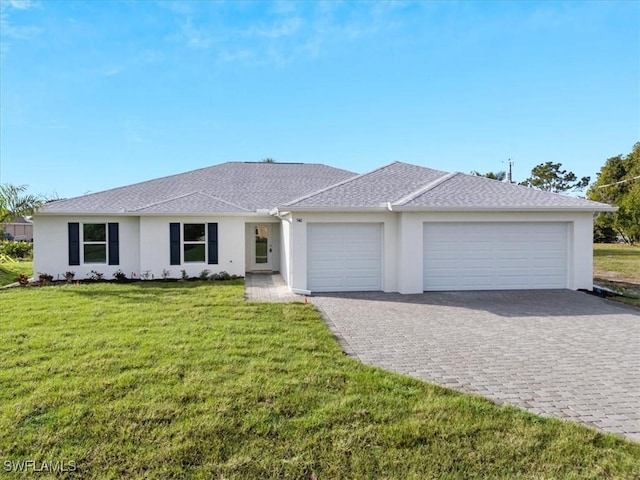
[617, 261]
[186, 380]
[9, 271]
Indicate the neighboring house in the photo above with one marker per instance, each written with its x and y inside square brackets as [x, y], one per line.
[400, 228]
[20, 228]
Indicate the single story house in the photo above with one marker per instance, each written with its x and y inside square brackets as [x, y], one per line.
[20, 228]
[400, 228]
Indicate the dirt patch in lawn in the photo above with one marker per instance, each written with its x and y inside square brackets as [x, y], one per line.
[629, 291]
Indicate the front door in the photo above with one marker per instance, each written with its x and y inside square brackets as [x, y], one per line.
[262, 248]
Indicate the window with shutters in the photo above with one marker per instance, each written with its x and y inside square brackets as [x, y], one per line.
[193, 243]
[94, 242]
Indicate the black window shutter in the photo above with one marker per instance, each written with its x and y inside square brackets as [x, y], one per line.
[212, 240]
[74, 243]
[174, 243]
[114, 244]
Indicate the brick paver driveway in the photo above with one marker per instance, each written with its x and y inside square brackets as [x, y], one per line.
[557, 353]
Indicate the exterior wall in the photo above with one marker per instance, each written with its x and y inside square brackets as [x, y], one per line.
[144, 245]
[403, 243]
[154, 246]
[297, 249]
[51, 246]
[285, 248]
[580, 238]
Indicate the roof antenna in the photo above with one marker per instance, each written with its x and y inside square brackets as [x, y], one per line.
[510, 177]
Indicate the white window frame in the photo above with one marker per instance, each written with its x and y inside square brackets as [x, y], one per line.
[88, 242]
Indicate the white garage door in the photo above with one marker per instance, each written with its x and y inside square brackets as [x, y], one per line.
[344, 257]
[495, 256]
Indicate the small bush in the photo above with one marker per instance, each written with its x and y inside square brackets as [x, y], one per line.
[165, 274]
[15, 249]
[222, 276]
[23, 280]
[119, 276]
[204, 275]
[69, 276]
[184, 275]
[45, 278]
[96, 276]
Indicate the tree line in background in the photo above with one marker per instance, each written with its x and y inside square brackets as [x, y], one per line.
[617, 183]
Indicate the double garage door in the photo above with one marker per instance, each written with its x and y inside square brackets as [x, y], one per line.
[456, 256]
[494, 256]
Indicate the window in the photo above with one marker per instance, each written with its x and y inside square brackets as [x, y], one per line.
[199, 243]
[100, 243]
[194, 245]
[94, 238]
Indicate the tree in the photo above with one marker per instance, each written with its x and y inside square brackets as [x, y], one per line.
[268, 160]
[618, 183]
[14, 203]
[549, 177]
[500, 176]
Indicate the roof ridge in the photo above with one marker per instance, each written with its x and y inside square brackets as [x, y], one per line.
[425, 188]
[162, 201]
[339, 184]
[222, 200]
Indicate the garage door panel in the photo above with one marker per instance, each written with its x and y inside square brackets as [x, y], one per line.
[344, 257]
[489, 256]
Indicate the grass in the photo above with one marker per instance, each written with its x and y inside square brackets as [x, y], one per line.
[617, 267]
[187, 380]
[617, 262]
[9, 271]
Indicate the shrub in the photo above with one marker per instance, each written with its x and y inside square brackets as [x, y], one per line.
[221, 276]
[23, 280]
[165, 274]
[119, 276]
[15, 249]
[69, 276]
[45, 278]
[96, 276]
[204, 275]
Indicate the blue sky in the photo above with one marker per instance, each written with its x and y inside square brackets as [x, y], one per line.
[95, 95]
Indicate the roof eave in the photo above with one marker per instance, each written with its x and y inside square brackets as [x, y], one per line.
[154, 214]
[506, 209]
[291, 209]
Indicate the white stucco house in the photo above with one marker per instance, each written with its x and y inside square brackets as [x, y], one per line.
[400, 228]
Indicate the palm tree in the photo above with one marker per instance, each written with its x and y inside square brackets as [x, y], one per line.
[14, 203]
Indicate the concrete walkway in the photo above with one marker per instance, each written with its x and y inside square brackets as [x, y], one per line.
[554, 353]
[268, 287]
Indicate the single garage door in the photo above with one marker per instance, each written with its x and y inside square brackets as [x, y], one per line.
[495, 256]
[344, 257]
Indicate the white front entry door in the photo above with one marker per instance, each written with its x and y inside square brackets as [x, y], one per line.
[262, 247]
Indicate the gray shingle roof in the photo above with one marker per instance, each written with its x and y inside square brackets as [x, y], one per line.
[228, 187]
[469, 191]
[238, 187]
[373, 189]
[411, 187]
